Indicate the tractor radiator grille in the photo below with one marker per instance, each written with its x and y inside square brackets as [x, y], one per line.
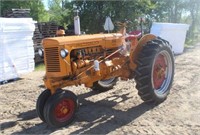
[52, 59]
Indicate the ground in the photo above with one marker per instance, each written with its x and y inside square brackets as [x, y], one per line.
[118, 111]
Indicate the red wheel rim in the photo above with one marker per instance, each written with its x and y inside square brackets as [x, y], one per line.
[64, 110]
[159, 71]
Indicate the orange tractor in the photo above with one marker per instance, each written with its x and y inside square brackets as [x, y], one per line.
[97, 61]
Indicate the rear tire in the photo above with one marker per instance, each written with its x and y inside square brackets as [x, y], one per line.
[155, 71]
[104, 85]
[60, 108]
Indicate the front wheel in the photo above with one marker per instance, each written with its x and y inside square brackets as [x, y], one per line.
[104, 85]
[60, 108]
[41, 102]
[155, 71]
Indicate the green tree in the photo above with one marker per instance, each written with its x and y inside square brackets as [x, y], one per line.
[169, 10]
[36, 7]
[60, 12]
[38, 11]
[93, 13]
[194, 9]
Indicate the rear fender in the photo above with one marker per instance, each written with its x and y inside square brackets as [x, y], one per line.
[134, 53]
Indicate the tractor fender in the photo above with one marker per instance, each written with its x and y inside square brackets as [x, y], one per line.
[134, 53]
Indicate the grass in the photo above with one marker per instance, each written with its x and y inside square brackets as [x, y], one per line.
[193, 41]
[40, 67]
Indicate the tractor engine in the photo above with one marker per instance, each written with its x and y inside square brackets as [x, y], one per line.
[84, 57]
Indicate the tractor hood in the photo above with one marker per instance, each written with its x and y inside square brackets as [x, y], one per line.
[69, 40]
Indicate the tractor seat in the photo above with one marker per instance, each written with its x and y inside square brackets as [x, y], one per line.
[134, 34]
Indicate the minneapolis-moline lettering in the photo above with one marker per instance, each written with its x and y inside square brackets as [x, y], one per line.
[87, 44]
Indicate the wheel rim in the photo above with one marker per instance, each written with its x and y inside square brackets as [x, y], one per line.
[64, 110]
[106, 81]
[161, 72]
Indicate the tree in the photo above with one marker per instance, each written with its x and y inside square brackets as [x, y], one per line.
[194, 9]
[60, 12]
[37, 10]
[169, 10]
[93, 13]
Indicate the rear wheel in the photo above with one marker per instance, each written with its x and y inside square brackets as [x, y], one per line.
[60, 108]
[104, 85]
[41, 102]
[155, 71]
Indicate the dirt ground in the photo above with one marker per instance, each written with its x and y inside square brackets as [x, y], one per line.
[118, 111]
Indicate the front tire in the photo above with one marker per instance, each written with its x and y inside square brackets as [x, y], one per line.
[60, 108]
[41, 102]
[155, 71]
[104, 85]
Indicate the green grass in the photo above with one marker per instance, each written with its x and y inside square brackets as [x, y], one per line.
[192, 41]
[40, 67]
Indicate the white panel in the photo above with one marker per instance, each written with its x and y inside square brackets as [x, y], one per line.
[16, 47]
[172, 32]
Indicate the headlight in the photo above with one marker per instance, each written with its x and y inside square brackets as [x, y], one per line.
[41, 52]
[64, 53]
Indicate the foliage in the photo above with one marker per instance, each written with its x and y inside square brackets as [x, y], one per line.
[36, 7]
[93, 13]
[169, 10]
[58, 12]
[194, 8]
[38, 11]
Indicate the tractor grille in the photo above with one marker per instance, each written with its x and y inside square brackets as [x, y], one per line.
[52, 59]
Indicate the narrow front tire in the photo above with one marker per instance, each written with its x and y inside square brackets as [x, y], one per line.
[60, 108]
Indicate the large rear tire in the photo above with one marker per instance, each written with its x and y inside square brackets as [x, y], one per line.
[155, 71]
[60, 108]
[104, 85]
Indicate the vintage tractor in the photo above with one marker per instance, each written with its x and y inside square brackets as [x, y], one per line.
[97, 61]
